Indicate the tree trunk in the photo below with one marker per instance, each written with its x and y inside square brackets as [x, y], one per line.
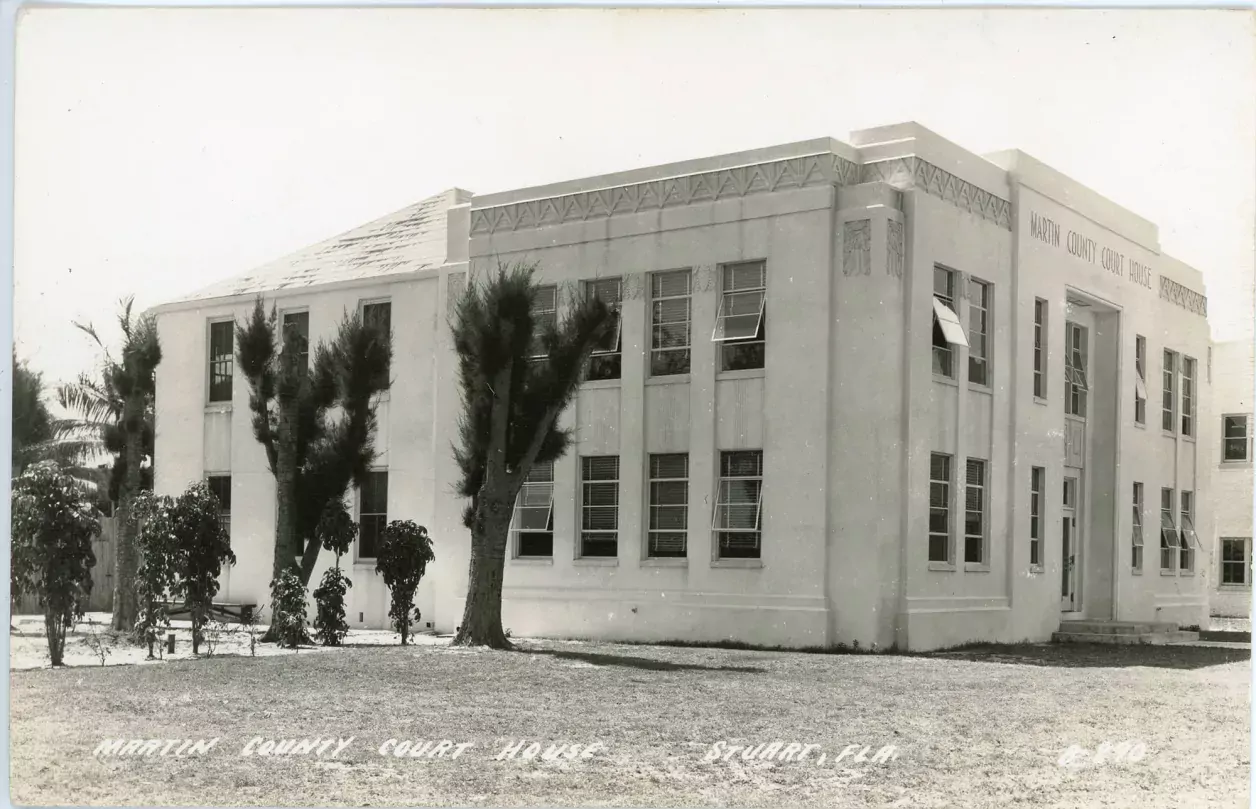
[126, 563]
[482, 616]
[55, 628]
[286, 488]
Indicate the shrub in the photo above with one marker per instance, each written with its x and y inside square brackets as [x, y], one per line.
[287, 595]
[203, 548]
[335, 531]
[158, 551]
[54, 524]
[403, 556]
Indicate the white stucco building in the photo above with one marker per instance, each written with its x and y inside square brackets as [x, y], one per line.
[1231, 576]
[886, 391]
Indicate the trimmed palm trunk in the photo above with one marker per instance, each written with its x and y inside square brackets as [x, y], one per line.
[482, 614]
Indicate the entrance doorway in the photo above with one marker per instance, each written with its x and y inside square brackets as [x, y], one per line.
[1071, 544]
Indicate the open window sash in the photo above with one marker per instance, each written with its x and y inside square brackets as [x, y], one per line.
[534, 507]
[1138, 528]
[1140, 387]
[732, 515]
[1169, 533]
[740, 316]
[610, 342]
[948, 321]
[610, 290]
[1189, 538]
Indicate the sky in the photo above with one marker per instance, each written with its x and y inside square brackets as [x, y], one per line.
[158, 151]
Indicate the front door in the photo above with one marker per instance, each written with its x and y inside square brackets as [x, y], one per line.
[1071, 545]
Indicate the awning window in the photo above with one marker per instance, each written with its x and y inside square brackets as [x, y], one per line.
[949, 323]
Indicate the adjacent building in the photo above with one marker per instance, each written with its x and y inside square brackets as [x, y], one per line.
[1232, 367]
[885, 392]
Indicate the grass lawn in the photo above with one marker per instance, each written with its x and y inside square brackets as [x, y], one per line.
[981, 727]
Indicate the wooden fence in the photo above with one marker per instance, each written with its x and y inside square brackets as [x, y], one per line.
[101, 599]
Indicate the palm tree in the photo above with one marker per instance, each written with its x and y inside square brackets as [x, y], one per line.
[114, 414]
[512, 396]
[32, 423]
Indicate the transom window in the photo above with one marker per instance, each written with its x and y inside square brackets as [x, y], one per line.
[975, 512]
[948, 332]
[669, 506]
[1140, 379]
[1188, 396]
[1169, 399]
[1236, 438]
[739, 324]
[372, 513]
[1077, 384]
[940, 508]
[1170, 540]
[1136, 561]
[606, 359]
[599, 505]
[670, 322]
[532, 524]
[739, 505]
[979, 333]
[1040, 344]
[1236, 561]
[1036, 475]
[1189, 540]
[221, 360]
[544, 318]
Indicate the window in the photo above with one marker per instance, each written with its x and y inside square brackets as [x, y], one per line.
[979, 333]
[940, 508]
[670, 322]
[1036, 475]
[220, 487]
[669, 506]
[1136, 562]
[1188, 396]
[378, 316]
[947, 331]
[1140, 379]
[1170, 541]
[1076, 382]
[606, 360]
[739, 504]
[1236, 441]
[221, 360]
[739, 324]
[1040, 343]
[1236, 561]
[599, 505]
[975, 512]
[1169, 401]
[1189, 540]
[372, 513]
[298, 323]
[532, 525]
[544, 318]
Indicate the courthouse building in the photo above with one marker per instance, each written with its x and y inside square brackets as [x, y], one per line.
[886, 391]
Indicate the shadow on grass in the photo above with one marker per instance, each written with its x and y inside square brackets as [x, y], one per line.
[1094, 655]
[644, 663]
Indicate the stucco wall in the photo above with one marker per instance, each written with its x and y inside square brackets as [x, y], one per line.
[1232, 374]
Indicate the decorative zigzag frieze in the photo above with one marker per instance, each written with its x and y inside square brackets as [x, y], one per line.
[740, 181]
[912, 172]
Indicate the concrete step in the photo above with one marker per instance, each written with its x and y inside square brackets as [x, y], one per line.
[1109, 627]
[1100, 637]
[1092, 632]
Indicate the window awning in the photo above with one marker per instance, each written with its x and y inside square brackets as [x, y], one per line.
[948, 321]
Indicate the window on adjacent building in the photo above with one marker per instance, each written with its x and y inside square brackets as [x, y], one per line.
[1188, 396]
[975, 512]
[1137, 558]
[1040, 348]
[220, 487]
[544, 318]
[1140, 379]
[606, 359]
[221, 360]
[1189, 540]
[740, 325]
[599, 505]
[1169, 400]
[1036, 476]
[939, 508]
[947, 330]
[670, 322]
[1077, 382]
[1236, 561]
[532, 524]
[1170, 540]
[378, 316]
[372, 513]
[979, 333]
[739, 505]
[298, 323]
[1236, 439]
[669, 505]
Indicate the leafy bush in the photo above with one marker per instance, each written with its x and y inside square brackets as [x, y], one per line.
[403, 556]
[158, 551]
[336, 531]
[287, 595]
[203, 547]
[54, 524]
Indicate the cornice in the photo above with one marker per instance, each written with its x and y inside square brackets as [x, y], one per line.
[913, 172]
[727, 183]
